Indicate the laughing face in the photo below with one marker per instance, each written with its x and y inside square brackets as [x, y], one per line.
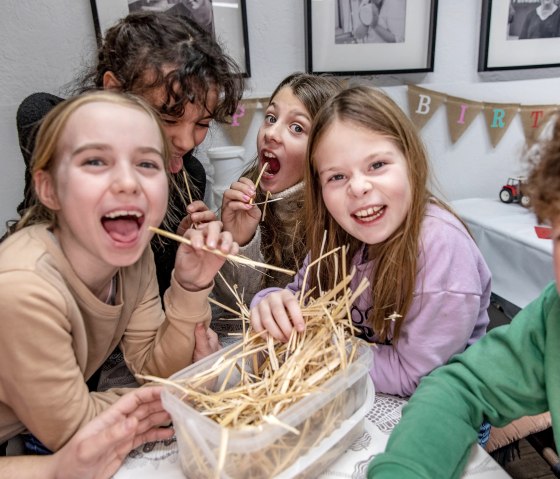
[109, 184]
[364, 181]
[188, 131]
[282, 141]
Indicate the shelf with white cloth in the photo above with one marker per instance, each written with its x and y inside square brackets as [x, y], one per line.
[520, 262]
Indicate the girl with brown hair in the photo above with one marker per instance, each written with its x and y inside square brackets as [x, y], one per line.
[366, 186]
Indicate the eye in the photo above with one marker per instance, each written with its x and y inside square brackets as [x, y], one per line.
[296, 128]
[93, 161]
[203, 125]
[149, 164]
[337, 177]
[377, 164]
[270, 118]
[168, 120]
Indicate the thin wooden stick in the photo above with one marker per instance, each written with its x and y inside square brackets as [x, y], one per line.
[265, 166]
[187, 184]
[265, 203]
[237, 259]
[267, 200]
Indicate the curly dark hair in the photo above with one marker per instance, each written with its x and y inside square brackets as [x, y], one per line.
[543, 184]
[147, 50]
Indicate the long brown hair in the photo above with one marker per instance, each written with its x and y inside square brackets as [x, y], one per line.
[313, 91]
[52, 128]
[392, 286]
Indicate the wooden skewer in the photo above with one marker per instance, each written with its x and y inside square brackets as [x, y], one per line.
[231, 257]
[265, 203]
[185, 177]
[268, 200]
[265, 166]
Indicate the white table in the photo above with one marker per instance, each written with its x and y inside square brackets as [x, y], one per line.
[160, 460]
[520, 262]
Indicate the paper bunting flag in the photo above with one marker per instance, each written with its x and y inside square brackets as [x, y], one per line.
[240, 122]
[422, 104]
[498, 119]
[534, 117]
[460, 114]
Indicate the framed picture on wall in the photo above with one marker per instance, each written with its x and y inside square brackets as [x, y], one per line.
[518, 34]
[353, 37]
[227, 19]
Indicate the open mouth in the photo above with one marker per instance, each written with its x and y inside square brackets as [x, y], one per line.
[123, 226]
[273, 164]
[369, 214]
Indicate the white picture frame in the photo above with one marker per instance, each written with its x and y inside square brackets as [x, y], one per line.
[413, 52]
[230, 25]
[498, 50]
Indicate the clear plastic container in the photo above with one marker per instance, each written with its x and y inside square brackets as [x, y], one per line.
[328, 421]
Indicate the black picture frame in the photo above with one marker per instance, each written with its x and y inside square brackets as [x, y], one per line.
[499, 47]
[329, 51]
[230, 25]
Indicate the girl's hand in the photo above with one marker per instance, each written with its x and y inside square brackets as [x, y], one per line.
[239, 216]
[206, 342]
[99, 448]
[195, 268]
[197, 213]
[278, 313]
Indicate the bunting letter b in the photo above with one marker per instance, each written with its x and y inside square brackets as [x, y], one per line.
[423, 104]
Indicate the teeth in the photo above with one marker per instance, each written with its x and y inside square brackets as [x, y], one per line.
[372, 210]
[117, 214]
[267, 154]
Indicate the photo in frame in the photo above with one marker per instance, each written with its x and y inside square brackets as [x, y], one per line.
[353, 37]
[226, 18]
[519, 34]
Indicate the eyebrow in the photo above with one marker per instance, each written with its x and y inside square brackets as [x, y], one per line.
[296, 113]
[368, 158]
[105, 147]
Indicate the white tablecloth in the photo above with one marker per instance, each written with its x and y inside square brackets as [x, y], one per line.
[160, 460]
[520, 262]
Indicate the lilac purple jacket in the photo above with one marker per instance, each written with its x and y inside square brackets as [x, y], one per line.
[448, 312]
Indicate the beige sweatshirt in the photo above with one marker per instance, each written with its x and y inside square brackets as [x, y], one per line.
[56, 334]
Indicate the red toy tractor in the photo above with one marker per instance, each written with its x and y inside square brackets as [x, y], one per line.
[513, 192]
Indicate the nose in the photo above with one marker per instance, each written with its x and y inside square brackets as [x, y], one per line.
[183, 138]
[359, 185]
[272, 132]
[125, 180]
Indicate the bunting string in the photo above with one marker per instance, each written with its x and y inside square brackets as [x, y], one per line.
[423, 103]
[242, 118]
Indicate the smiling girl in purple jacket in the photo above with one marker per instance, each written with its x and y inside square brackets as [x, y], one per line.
[366, 186]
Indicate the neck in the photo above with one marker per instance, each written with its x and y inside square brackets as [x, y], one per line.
[93, 272]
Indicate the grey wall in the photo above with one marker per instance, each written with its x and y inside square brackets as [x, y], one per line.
[44, 44]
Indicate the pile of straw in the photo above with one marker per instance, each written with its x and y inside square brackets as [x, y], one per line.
[255, 381]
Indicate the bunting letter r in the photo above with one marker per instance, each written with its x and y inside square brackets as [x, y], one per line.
[498, 120]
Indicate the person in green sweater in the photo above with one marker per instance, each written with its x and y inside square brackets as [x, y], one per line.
[511, 372]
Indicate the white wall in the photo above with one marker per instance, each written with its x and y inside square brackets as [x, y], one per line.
[43, 42]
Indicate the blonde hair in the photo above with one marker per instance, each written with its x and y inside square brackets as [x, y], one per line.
[393, 284]
[52, 128]
[312, 91]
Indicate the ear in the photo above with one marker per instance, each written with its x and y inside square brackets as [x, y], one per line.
[45, 189]
[110, 81]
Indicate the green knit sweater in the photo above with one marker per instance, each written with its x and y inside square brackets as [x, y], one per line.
[511, 372]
